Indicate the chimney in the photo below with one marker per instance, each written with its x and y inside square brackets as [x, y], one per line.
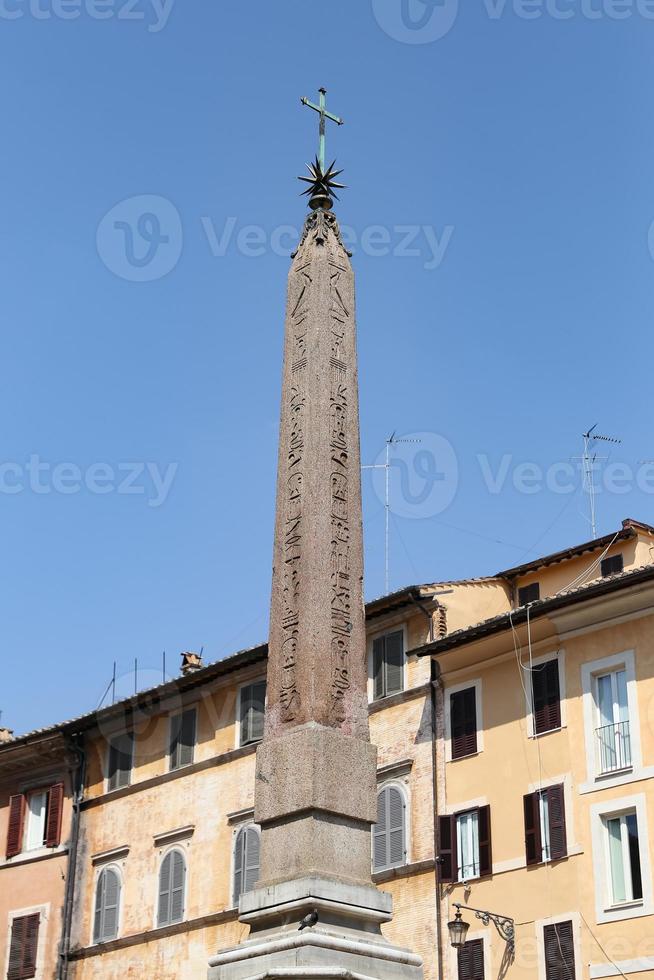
[191, 662]
[6, 735]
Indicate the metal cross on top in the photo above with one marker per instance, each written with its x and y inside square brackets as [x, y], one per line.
[324, 114]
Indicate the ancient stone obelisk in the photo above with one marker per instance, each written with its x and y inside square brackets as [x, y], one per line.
[315, 795]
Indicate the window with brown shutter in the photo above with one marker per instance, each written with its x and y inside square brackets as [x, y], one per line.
[529, 593]
[559, 945]
[470, 960]
[53, 819]
[612, 566]
[463, 722]
[546, 697]
[23, 947]
[545, 843]
[17, 806]
[451, 860]
[447, 857]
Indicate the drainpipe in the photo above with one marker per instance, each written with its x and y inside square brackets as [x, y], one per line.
[436, 698]
[78, 796]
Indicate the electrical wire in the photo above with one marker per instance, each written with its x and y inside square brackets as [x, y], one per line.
[598, 943]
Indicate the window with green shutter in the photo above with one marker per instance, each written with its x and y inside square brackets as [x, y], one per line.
[121, 754]
[252, 707]
[172, 885]
[247, 849]
[389, 834]
[388, 664]
[107, 905]
[182, 738]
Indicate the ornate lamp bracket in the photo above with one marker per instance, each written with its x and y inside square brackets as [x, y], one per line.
[504, 925]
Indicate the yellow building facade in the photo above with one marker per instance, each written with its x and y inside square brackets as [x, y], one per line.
[489, 704]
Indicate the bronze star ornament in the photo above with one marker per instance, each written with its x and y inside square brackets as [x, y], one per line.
[322, 185]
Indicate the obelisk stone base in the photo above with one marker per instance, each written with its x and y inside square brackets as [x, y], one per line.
[315, 802]
[346, 941]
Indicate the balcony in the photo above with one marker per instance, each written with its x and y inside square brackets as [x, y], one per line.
[614, 748]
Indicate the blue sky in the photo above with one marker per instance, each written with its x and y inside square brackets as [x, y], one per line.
[500, 199]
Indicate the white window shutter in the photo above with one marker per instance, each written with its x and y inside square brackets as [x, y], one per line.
[239, 862]
[177, 887]
[99, 903]
[378, 667]
[252, 858]
[165, 876]
[380, 834]
[389, 835]
[111, 898]
[396, 828]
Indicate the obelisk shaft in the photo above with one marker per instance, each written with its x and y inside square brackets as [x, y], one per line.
[316, 768]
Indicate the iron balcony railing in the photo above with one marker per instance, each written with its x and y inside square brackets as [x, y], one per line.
[614, 747]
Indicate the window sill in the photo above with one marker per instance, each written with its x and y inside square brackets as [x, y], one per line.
[628, 910]
[622, 778]
[29, 857]
[550, 731]
[470, 755]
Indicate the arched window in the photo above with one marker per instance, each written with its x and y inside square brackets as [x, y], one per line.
[389, 834]
[246, 860]
[172, 884]
[107, 903]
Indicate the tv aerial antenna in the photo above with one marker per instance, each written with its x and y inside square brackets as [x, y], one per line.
[391, 441]
[590, 457]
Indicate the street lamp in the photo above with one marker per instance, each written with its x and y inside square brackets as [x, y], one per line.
[459, 929]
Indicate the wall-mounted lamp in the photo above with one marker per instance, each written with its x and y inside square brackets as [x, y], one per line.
[459, 929]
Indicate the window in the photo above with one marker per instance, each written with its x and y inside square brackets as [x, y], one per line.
[470, 959]
[546, 697]
[558, 941]
[23, 947]
[465, 845]
[107, 903]
[625, 877]
[172, 884]
[612, 566]
[529, 593]
[182, 738]
[252, 707]
[35, 820]
[463, 722]
[389, 835]
[545, 832]
[388, 664]
[612, 724]
[121, 751]
[246, 860]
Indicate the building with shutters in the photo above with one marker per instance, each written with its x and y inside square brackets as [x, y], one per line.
[37, 784]
[545, 763]
[522, 757]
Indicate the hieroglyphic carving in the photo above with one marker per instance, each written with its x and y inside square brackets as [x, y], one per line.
[289, 695]
[341, 590]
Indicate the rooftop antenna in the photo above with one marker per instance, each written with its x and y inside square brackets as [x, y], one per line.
[590, 457]
[391, 441]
